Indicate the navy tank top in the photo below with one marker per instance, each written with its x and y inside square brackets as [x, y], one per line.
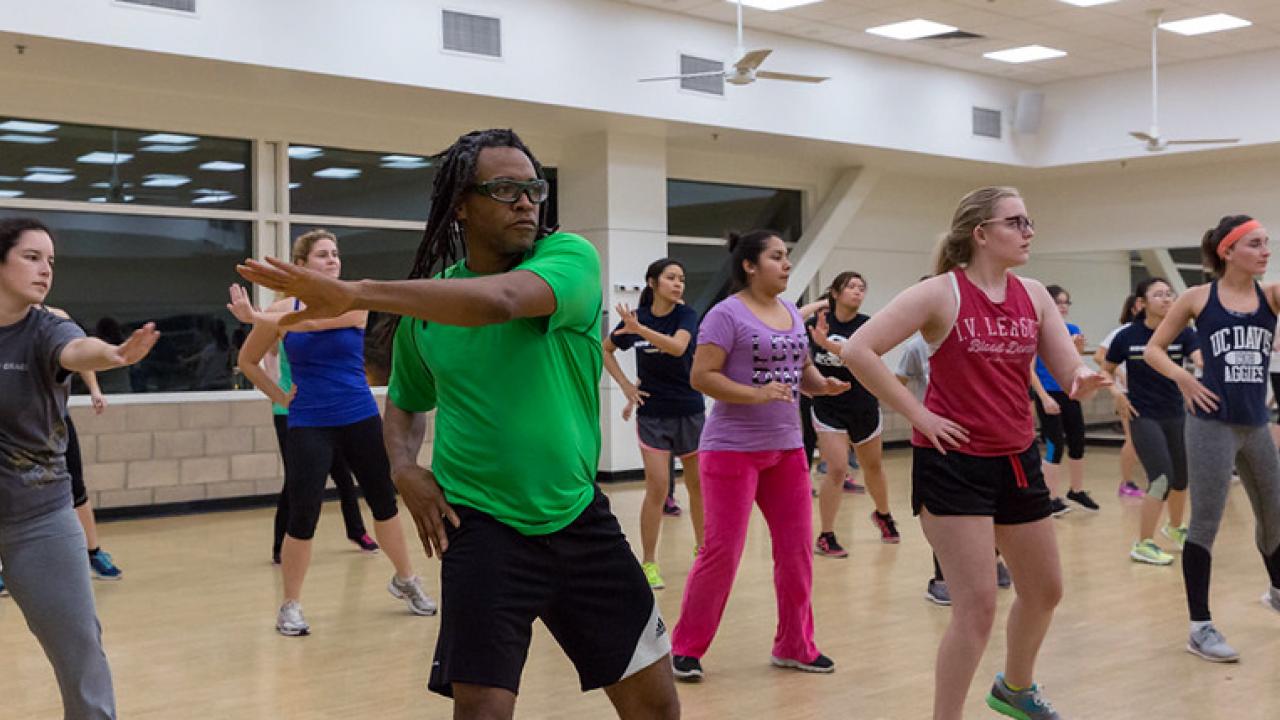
[328, 370]
[1237, 352]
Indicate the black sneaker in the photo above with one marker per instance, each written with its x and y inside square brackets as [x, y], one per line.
[820, 664]
[887, 527]
[1082, 499]
[686, 669]
[1058, 507]
[829, 546]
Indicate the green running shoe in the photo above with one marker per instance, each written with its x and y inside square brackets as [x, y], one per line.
[1024, 704]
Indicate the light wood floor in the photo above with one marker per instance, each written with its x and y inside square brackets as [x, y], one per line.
[190, 629]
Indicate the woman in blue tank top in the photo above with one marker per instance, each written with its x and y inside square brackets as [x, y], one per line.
[1235, 319]
[330, 409]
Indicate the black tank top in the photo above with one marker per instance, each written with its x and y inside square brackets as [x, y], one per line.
[1237, 352]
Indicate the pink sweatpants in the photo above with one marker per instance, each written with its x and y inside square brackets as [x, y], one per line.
[778, 481]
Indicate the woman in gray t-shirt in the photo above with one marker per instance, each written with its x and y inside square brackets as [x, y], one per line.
[41, 543]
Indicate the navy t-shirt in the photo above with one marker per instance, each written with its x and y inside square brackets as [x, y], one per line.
[665, 377]
[830, 365]
[1153, 395]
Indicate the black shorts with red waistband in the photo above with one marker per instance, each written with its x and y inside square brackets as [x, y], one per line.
[1008, 488]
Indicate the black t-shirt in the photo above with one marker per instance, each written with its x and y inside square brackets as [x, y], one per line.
[665, 377]
[830, 365]
[1153, 395]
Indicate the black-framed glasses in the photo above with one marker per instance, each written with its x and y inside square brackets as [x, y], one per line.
[1021, 223]
[509, 191]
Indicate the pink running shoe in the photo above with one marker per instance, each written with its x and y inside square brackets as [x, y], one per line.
[1128, 489]
[366, 544]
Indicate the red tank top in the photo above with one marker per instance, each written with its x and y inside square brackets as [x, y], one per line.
[980, 374]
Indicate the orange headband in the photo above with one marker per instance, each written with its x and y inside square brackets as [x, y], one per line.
[1236, 233]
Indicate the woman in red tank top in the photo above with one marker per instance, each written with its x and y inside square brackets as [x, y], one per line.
[976, 480]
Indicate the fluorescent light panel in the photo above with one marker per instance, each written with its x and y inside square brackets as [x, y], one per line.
[99, 157]
[774, 5]
[303, 152]
[49, 178]
[46, 169]
[1205, 24]
[222, 166]
[163, 180]
[10, 193]
[338, 173]
[26, 126]
[168, 138]
[167, 148]
[1028, 53]
[1087, 3]
[911, 29]
[210, 199]
[28, 139]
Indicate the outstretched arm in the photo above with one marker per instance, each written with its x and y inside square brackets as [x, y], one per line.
[88, 354]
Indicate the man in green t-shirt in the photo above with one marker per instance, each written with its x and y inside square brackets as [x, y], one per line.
[504, 344]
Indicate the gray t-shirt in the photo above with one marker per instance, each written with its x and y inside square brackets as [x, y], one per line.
[33, 402]
[914, 365]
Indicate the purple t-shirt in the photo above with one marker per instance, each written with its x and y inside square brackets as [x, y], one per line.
[756, 355]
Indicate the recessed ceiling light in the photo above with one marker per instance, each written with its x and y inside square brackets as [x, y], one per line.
[774, 5]
[8, 178]
[295, 185]
[98, 199]
[27, 126]
[405, 165]
[46, 169]
[302, 152]
[1029, 53]
[105, 158]
[337, 173]
[28, 139]
[222, 166]
[163, 180]
[167, 148]
[221, 197]
[911, 29]
[10, 193]
[1205, 24]
[1087, 3]
[39, 177]
[402, 158]
[167, 138]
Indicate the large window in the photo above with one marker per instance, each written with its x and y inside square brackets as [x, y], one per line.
[371, 253]
[711, 210]
[116, 272]
[86, 163]
[1187, 260]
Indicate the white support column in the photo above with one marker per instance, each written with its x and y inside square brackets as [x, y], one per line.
[613, 191]
[1160, 263]
[829, 224]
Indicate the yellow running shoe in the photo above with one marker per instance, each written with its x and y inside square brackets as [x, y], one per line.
[654, 577]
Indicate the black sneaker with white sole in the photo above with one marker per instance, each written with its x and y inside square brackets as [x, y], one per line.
[1081, 498]
[820, 664]
[1058, 507]
[686, 668]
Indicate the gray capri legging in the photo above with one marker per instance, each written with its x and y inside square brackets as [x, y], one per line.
[1161, 447]
[1213, 447]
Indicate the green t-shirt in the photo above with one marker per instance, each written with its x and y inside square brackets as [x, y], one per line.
[517, 427]
[286, 380]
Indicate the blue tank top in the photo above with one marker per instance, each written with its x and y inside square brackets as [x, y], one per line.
[328, 370]
[1237, 352]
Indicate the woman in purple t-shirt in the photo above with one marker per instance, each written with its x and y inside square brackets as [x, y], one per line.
[753, 359]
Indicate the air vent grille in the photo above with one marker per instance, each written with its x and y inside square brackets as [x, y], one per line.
[986, 122]
[473, 34]
[711, 85]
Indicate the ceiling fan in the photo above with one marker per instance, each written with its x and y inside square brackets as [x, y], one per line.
[1152, 138]
[745, 69]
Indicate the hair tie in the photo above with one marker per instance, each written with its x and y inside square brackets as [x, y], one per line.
[1234, 236]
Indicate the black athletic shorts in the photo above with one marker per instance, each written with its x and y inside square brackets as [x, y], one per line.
[862, 421]
[583, 582]
[1008, 488]
[676, 435]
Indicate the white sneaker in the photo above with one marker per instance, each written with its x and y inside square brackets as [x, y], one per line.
[411, 592]
[1209, 644]
[289, 620]
[1271, 598]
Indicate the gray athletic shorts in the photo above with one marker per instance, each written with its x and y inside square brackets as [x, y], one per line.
[676, 435]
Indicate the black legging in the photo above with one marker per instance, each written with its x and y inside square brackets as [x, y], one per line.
[310, 452]
[348, 496]
[75, 465]
[1062, 431]
[807, 429]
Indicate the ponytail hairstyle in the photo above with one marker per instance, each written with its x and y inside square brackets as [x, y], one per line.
[444, 238]
[12, 229]
[1130, 308]
[1213, 262]
[955, 249]
[837, 287]
[652, 274]
[1141, 291]
[746, 247]
[306, 241]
